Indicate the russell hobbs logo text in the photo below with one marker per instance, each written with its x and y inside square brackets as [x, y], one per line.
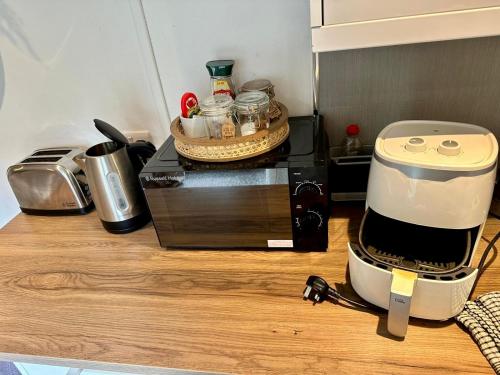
[164, 178]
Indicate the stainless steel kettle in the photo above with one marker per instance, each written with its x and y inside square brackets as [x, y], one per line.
[112, 170]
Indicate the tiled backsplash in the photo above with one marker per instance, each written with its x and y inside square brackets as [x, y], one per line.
[455, 80]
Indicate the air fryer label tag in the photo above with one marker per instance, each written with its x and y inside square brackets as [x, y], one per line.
[279, 243]
[162, 180]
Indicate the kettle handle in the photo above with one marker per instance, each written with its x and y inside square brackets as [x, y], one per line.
[139, 152]
[399, 305]
[142, 149]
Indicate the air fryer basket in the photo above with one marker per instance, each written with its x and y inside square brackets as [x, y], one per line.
[434, 253]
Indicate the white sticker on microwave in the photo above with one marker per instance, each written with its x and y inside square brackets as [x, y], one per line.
[279, 243]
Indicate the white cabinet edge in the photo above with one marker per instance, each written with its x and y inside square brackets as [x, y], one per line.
[316, 10]
[405, 30]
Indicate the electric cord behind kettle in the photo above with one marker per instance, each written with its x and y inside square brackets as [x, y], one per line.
[317, 289]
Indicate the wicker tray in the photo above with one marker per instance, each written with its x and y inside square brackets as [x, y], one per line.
[223, 150]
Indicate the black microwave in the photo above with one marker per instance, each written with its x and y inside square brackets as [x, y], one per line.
[278, 200]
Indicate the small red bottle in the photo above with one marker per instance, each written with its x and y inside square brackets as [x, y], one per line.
[352, 144]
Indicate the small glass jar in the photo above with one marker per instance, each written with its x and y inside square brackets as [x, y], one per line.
[252, 112]
[221, 82]
[267, 87]
[217, 112]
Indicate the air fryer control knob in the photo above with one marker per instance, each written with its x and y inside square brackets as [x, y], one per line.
[310, 221]
[416, 144]
[307, 188]
[449, 148]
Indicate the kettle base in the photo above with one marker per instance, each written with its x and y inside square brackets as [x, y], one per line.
[127, 226]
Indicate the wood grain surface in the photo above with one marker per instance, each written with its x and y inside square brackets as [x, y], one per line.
[69, 289]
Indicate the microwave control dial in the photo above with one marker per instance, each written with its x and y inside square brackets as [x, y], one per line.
[308, 188]
[311, 220]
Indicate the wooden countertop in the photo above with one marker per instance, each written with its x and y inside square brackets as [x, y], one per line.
[70, 290]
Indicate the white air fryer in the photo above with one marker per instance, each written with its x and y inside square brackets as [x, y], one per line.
[429, 192]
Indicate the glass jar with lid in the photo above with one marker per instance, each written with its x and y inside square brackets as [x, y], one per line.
[221, 82]
[252, 111]
[217, 112]
[267, 87]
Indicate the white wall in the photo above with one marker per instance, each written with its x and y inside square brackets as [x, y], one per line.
[64, 63]
[267, 38]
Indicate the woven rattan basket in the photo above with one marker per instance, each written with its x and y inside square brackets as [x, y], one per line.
[223, 150]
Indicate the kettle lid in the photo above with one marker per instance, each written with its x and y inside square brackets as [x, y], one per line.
[110, 132]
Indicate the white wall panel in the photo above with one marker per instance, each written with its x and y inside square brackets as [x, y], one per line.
[65, 62]
[268, 39]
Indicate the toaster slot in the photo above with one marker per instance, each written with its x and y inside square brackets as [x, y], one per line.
[41, 160]
[51, 152]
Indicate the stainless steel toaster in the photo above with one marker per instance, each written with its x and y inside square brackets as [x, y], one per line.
[49, 182]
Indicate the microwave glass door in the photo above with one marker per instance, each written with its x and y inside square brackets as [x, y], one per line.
[223, 209]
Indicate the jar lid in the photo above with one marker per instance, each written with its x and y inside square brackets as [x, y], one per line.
[220, 68]
[251, 101]
[257, 85]
[352, 130]
[216, 104]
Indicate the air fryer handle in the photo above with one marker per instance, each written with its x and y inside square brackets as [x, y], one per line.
[139, 153]
[400, 301]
